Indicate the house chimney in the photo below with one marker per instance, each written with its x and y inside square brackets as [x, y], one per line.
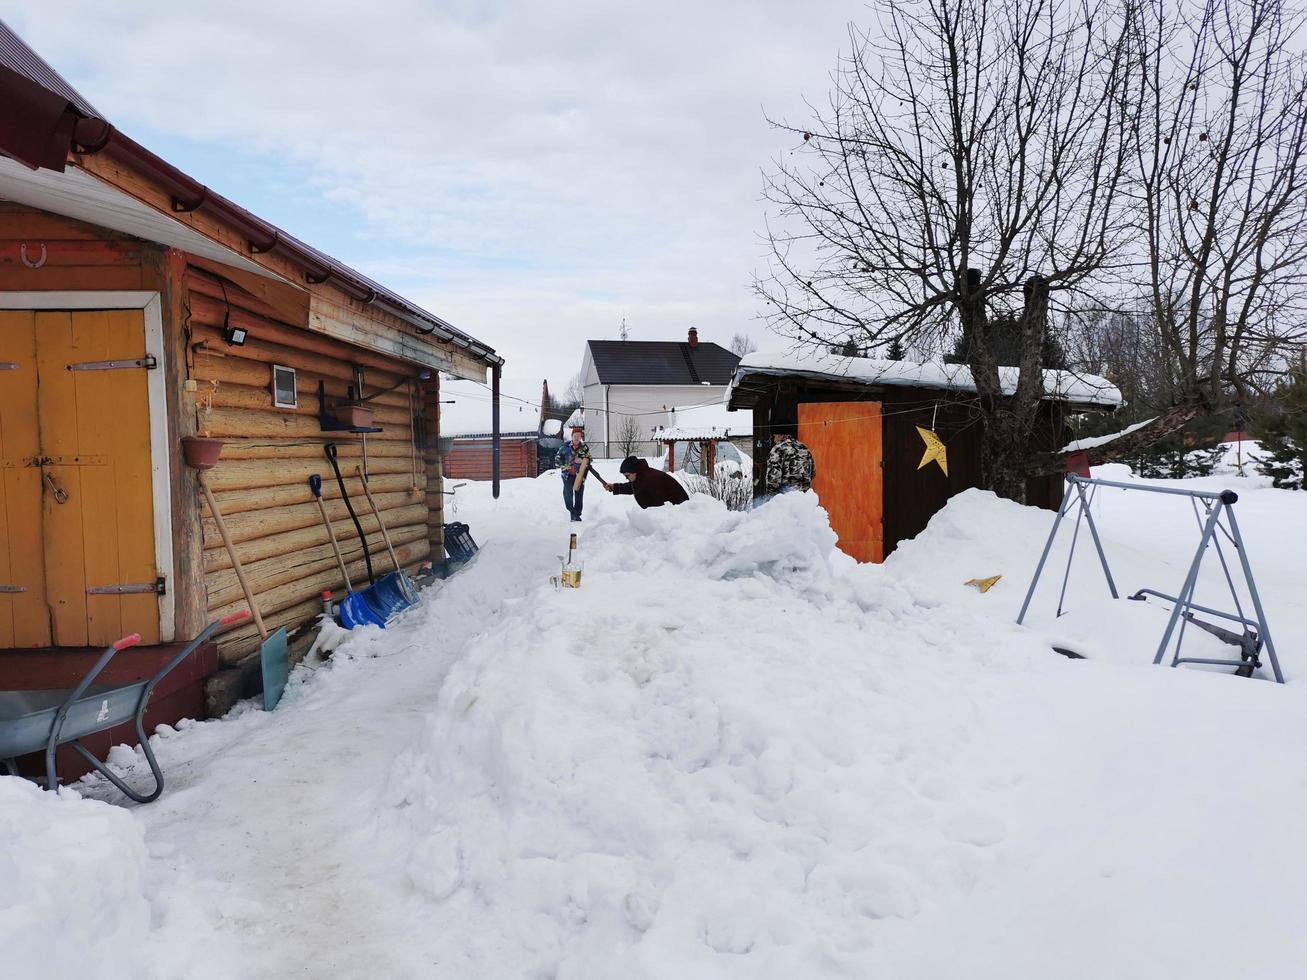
[694, 337]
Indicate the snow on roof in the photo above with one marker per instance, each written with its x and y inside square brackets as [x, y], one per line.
[706, 422]
[575, 420]
[1079, 445]
[1066, 386]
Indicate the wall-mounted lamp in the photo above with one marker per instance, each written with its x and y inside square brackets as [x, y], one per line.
[233, 335]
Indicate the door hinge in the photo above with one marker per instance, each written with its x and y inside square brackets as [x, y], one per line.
[148, 362]
[8, 366]
[11, 589]
[158, 587]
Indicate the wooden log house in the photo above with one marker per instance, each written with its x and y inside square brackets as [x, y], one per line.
[864, 421]
[138, 307]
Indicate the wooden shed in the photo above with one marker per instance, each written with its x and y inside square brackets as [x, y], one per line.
[472, 456]
[139, 307]
[874, 428]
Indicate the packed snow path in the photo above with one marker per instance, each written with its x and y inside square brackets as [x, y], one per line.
[731, 753]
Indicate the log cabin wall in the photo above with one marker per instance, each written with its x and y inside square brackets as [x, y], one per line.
[261, 480]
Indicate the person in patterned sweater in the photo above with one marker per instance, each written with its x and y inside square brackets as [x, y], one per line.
[572, 459]
[789, 466]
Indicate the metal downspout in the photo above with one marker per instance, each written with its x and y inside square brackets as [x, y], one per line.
[494, 431]
[608, 427]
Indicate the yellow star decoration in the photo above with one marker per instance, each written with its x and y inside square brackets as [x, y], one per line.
[983, 584]
[935, 450]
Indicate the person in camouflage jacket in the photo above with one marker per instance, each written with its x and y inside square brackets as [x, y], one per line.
[789, 465]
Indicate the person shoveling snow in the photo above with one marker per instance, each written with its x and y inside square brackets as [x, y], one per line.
[650, 487]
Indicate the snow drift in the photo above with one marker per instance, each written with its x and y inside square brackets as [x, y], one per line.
[724, 711]
[74, 903]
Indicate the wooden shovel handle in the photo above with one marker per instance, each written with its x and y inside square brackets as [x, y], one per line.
[385, 535]
[231, 553]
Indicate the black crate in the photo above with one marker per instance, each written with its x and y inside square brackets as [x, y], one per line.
[458, 542]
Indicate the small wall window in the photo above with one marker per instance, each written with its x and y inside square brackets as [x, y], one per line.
[283, 387]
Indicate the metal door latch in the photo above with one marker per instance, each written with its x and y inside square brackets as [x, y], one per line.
[158, 587]
[60, 494]
[148, 362]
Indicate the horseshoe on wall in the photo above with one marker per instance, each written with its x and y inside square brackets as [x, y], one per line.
[30, 263]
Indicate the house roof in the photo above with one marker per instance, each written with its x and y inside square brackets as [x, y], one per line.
[42, 118]
[661, 362]
[18, 57]
[1065, 386]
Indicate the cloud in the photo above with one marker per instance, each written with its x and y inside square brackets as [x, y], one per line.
[531, 171]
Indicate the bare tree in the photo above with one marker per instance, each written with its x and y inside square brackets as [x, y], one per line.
[1220, 120]
[742, 344]
[627, 438]
[971, 161]
[574, 396]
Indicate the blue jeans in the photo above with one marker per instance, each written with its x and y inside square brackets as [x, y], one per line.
[573, 499]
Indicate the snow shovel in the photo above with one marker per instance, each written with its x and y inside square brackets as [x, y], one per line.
[273, 655]
[377, 603]
[315, 485]
[396, 580]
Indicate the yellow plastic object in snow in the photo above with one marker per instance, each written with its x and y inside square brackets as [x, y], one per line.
[984, 584]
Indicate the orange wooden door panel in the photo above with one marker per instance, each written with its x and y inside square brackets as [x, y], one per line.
[24, 621]
[95, 437]
[845, 440]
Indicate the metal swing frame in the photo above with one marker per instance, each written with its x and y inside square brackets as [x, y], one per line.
[1214, 512]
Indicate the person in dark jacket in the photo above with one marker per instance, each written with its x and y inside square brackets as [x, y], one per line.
[650, 487]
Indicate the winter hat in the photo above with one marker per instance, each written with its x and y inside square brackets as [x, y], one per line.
[629, 465]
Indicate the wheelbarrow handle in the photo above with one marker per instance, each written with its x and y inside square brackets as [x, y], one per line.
[57, 728]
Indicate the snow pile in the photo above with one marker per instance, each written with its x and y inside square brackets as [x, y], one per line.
[736, 753]
[723, 711]
[74, 897]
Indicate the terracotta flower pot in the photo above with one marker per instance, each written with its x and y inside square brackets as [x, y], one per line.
[353, 415]
[201, 452]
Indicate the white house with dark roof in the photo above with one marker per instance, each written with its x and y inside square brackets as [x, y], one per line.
[633, 387]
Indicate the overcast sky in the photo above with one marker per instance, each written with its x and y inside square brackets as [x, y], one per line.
[533, 172]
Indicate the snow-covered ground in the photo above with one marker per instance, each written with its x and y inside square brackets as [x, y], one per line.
[732, 753]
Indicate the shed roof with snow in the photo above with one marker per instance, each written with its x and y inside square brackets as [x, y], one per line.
[1070, 387]
[706, 422]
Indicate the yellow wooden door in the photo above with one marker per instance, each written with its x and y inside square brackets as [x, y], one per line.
[845, 441]
[89, 561]
[24, 621]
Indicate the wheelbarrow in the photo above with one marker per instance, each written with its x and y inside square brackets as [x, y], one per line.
[34, 721]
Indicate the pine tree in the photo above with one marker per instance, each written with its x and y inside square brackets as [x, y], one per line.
[1282, 432]
[895, 352]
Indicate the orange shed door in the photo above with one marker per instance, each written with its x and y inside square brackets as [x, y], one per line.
[846, 446]
[77, 517]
